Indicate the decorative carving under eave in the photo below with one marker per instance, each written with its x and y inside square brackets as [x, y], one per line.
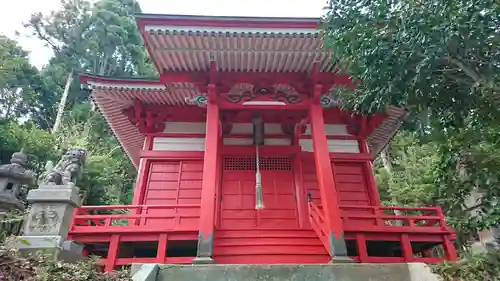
[44, 220]
[68, 169]
[199, 100]
[329, 100]
[148, 118]
[259, 93]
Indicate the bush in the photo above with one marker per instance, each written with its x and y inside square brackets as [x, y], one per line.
[482, 266]
[41, 268]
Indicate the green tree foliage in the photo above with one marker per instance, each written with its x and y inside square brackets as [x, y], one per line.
[433, 55]
[109, 175]
[482, 266]
[99, 37]
[439, 59]
[411, 181]
[39, 144]
[21, 86]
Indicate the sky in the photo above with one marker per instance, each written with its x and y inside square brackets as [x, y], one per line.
[16, 12]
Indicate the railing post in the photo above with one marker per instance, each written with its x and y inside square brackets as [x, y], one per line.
[449, 249]
[442, 219]
[73, 219]
[161, 253]
[112, 253]
[144, 211]
[361, 245]
[406, 248]
[378, 220]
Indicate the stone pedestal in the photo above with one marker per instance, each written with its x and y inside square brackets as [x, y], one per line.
[49, 220]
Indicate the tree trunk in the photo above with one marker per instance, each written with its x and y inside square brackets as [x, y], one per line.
[62, 103]
[387, 163]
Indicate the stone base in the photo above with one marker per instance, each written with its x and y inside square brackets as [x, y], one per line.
[297, 272]
[203, 260]
[342, 260]
[144, 272]
[55, 246]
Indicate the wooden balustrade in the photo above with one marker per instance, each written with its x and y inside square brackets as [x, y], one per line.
[425, 224]
[131, 218]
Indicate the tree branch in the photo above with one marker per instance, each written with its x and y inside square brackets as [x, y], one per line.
[470, 72]
[472, 208]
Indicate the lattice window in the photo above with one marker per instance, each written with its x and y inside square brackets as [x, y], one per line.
[249, 164]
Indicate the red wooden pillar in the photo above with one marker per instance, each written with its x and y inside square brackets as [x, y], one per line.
[368, 167]
[300, 193]
[142, 174]
[329, 200]
[209, 184]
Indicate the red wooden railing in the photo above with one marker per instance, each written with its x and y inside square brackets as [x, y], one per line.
[377, 222]
[132, 218]
[380, 216]
[129, 261]
[118, 223]
[318, 223]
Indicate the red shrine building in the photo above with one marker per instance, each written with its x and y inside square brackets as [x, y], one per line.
[243, 155]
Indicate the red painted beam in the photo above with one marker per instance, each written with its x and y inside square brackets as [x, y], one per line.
[171, 155]
[230, 106]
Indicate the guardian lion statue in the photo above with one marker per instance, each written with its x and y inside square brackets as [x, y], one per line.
[68, 170]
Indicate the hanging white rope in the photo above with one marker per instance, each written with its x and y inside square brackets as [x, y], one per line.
[259, 197]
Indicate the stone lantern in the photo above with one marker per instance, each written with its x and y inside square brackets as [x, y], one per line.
[12, 177]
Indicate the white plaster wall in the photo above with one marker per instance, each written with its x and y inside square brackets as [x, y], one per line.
[331, 130]
[179, 144]
[198, 144]
[185, 127]
[247, 128]
[249, 141]
[340, 146]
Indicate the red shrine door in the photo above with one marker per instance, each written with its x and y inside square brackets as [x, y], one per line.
[238, 194]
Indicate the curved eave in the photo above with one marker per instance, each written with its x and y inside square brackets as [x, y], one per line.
[383, 134]
[112, 96]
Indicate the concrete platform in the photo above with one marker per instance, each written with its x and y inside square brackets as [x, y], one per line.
[313, 272]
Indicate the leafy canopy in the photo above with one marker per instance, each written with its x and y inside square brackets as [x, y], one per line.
[20, 83]
[440, 56]
[440, 59]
